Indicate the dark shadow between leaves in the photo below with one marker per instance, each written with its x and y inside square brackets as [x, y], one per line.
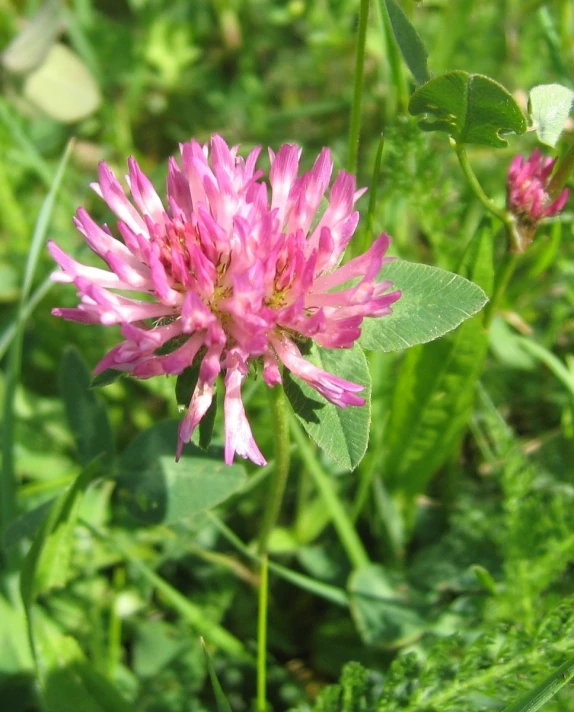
[154, 489]
[303, 405]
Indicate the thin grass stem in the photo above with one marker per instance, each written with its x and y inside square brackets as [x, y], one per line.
[341, 519]
[7, 480]
[355, 128]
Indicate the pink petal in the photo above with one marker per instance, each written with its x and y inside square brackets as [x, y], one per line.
[238, 436]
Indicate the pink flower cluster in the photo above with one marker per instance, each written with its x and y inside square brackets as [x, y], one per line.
[237, 271]
[527, 196]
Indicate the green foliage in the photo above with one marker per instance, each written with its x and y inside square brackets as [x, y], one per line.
[222, 702]
[69, 682]
[87, 415]
[411, 45]
[456, 674]
[433, 302]
[471, 108]
[157, 489]
[342, 434]
[434, 393]
[384, 615]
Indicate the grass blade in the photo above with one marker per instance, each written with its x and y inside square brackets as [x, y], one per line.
[7, 489]
[535, 700]
[220, 698]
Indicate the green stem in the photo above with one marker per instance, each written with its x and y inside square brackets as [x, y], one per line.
[514, 238]
[318, 588]
[355, 129]
[342, 521]
[501, 281]
[262, 637]
[562, 173]
[281, 468]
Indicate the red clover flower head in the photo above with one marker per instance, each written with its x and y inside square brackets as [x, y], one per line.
[527, 192]
[238, 271]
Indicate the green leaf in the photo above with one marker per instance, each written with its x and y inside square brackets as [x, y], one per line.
[410, 44]
[70, 681]
[15, 655]
[434, 393]
[157, 489]
[46, 564]
[433, 302]
[190, 611]
[63, 86]
[26, 525]
[87, 415]
[472, 108]
[155, 646]
[342, 434]
[550, 106]
[382, 616]
[47, 561]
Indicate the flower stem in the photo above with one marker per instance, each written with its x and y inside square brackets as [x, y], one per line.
[262, 637]
[281, 467]
[503, 215]
[355, 128]
[342, 521]
[560, 177]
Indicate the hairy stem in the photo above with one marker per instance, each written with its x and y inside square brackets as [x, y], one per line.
[262, 637]
[281, 467]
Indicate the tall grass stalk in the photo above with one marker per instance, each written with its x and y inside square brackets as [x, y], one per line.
[7, 481]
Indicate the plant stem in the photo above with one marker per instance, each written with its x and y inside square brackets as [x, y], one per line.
[502, 279]
[262, 637]
[515, 240]
[306, 583]
[281, 468]
[355, 129]
[342, 521]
